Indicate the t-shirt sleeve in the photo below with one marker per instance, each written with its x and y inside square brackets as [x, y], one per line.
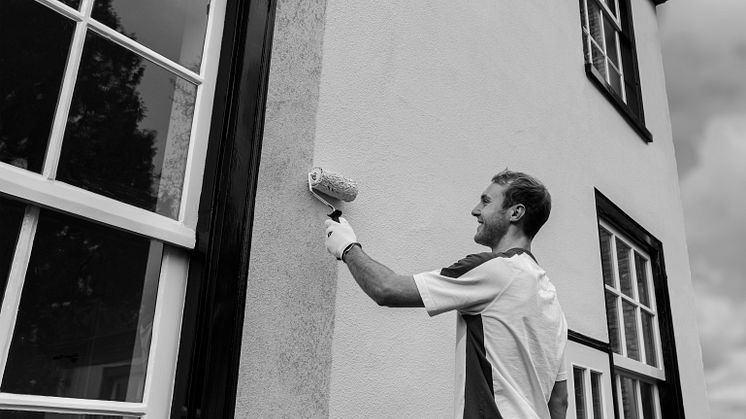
[562, 373]
[468, 286]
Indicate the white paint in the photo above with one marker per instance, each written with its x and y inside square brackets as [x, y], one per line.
[422, 102]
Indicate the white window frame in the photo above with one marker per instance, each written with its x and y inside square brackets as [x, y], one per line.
[43, 190]
[177, 235]
[623, 365]
[590, 41]
[638, 396]
[622, 360]
[589, 359]
[588, 390]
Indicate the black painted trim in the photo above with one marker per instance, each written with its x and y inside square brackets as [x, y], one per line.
[209, 353]
[588, 341]
[613, 97]
[671, 397]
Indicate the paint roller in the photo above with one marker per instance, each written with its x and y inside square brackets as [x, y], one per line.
[332, 185]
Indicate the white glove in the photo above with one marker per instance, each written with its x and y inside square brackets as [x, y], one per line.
[339, 236]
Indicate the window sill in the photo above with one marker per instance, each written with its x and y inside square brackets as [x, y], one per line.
[632, 120]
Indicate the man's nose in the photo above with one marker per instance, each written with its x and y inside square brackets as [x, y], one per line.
[476, 211]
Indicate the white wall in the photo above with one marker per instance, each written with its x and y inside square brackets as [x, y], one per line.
[422, 102]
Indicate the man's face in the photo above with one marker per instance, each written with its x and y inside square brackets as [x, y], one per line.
[492, 218]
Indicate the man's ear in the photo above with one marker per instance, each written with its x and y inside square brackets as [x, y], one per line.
[517, 212]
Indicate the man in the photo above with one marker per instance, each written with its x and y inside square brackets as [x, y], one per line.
[511, 332]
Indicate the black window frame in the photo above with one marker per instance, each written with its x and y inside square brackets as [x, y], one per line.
[212, 326]
[634, 115]
[671, 400]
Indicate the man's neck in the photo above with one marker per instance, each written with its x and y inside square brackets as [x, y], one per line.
[510, 241]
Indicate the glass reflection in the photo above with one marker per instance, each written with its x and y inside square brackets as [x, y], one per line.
[651, 355]
[11, 217]
[642, 279]
[610, 35]
[648, 400]
[630, 330]
[173, 28]
[625, 273]
[608, 272]
[578, 381]
[596, 395]
[85, 318]
[72, 3]
[34, 42]
[127, 133]
[629, 398]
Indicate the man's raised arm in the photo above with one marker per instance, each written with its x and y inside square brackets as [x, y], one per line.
[383, 285]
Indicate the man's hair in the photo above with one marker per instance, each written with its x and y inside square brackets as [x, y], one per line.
[527, 190]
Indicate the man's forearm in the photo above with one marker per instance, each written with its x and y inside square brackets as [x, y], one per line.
[383, 285]
[558, 400]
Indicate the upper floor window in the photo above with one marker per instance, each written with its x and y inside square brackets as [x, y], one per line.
[611, 62]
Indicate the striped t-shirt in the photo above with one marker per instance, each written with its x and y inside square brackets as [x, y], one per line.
[511, 333]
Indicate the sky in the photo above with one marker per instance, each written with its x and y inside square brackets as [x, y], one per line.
[704, 54]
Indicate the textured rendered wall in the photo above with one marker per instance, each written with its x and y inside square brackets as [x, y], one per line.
[422, 102]
[286, 350]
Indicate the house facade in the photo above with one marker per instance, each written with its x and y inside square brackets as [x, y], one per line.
[162, 256]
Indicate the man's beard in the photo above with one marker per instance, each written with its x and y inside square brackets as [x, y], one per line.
[490, 234]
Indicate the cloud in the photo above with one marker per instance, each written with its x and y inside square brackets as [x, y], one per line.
[704, 55]
[714, 200]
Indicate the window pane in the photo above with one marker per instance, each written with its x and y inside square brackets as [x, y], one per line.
[610, 35]
[641, 269]
[579, 384]
[612, 321]
[596, 395]
[648, 400]
[172, 28]
[625, 274]
[611, 4]
[86, 312]
[128, 130]
[615, 81]
[629, 398]
[17, 414]
[599, 62]
[651, 355]
[11, 217]
[594, 22]
[606, 260]
[34, 42]
[72, 3]
[630, 330]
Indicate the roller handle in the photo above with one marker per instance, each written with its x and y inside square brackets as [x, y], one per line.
[335, 215]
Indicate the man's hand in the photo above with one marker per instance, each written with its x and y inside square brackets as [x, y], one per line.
[339, 236]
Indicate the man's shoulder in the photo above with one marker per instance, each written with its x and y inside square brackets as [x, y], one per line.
[476, 259]
[468, 263]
